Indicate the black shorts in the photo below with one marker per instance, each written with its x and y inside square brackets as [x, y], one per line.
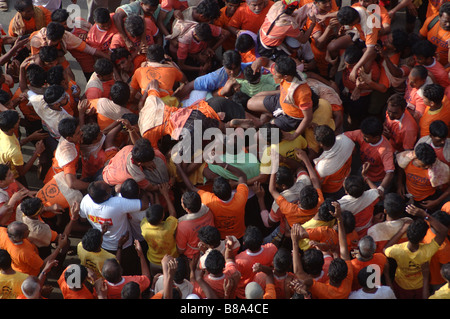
[284, 122]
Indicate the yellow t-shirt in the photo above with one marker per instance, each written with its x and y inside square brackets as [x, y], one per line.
[442, 293]
[10, 152]
[93, 260]
[323, 115]
[10, 285]
[409, 272]
[285, 148]
[160, 239]
[313, 223]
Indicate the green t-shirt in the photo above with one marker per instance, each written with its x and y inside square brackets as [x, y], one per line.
[265, 84]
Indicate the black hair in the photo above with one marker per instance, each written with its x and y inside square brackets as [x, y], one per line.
[68, 126]
[210, 235]
[324, 211]
[348, 220]
[153, 3]
[21, 5]
[97, 192]
[55, 31]
[309, 197]
[3, 171]
[155, 53]
[434, 92]
[416, 231]
[337, 271]
[424, 48]
[4, 97]
[53, 93]
[266, 130]
[222, 188]
[82, 272]
[445, 8]
[400, 39]
[192, 201]
[92, 240]
[131, 290]
[182, 272]
[240, 98]
[215, 262]
[130, 189]
[48, 53]
[30, 205]
[284, 176]
[120, 93]
[5, 259]
[397, 100]
[442, 217]
[60, 15]
[286, 66]
[347, 15]
[101, 15]
[154, 214]
[394, 205]
[253, 238]
[8, 119]
[325, 135]
[282, 261]
[142, 151]
[231, 59]
[55, 75]
[372, 126]
[312, 261]
[103, 67]
[354, 185]
[209, 9]
[90, 132]
[119, 53]
[353, 54]
[112, 271]
[419, 71]
[363, 277]
[251, 76]
[203, 31]
[36, 75]
[135, 25]
[131, 117]
[438, 129]
[425, 153]
[244, 43]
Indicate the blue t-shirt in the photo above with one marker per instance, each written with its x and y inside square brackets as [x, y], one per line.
[214, 80]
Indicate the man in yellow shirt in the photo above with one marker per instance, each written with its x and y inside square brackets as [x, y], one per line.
[444, 291]
[10, 280]
[409, 283]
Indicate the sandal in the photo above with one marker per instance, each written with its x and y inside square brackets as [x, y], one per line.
[3, 5]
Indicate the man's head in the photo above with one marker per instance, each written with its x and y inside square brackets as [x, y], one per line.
[256, 6]
[323, 6]
[309, 197]
[444, 16]
[104, 69]
[208, 11]
[372, 129]
[32, 207]
[250, 76]
[312, 261]
[70, 129]
[122, 59]
[55, 32]
[60, 16]
[31, 287]
[112, 271]
[6, 176]
[352, 55]
[17, 231]
[130, 189]
[5, 260]
[416, 231]
[36, 76]
[348, 15]
[222, 188]
[325, 209]
[76, 269]
[48, 55]
[131, 290]
[154, 214]
[324, 136]
[425, 155]
[99, 191]
[155, 53]
[120, 93]
[56, 96]
[92, 240]
[25, 8]
[445, 272]
[9, 121]
[253, 238]
[57, 76]
[284, 178]
[134, 25]
[394, 206]
[285, 68]
[191, 202]
[433, 94]
[282, 261]
[149, 6]
[91, 133]
[102, 18]
[424, 52]
[418, 76]
[202, 32]
[438, 133]
[354, 185]
[143, 154]
[396, 106]
[244, 43]
[215, 262]
[337, 271]
[232, 63]
[366, 248]
[209, 235]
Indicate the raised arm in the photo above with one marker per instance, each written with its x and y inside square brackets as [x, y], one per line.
[301, 155]
[343, 247]
[440, 229]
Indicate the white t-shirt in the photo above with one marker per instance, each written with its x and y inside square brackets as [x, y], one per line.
[113, 211]
[383, 292]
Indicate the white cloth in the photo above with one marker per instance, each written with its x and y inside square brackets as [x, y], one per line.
[329, 162]
[113, 211]
[383, 292]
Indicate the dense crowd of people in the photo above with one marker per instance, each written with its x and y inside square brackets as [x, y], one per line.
[226, 149]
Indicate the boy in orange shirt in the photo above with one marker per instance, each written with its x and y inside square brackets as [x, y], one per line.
[249, 16]
[29, 18]
[438, 108]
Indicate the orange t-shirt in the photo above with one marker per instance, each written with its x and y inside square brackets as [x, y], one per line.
[101, 39]
[68, 293]
[228, 216]
[414, 100]
[166, 76]
[332, 183]
[441, 257]
[418, 182]
[30, 25]
[295, 214]
[302, 98]
[216, 283]
[429, 117]
[114, 291]
[377, 259]
[403, 132]
[222, 22]
[439, 73]
[438, 36]
[329, 236]
[245, 19]
[327, 291]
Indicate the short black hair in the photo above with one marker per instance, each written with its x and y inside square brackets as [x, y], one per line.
[337, 271]
[244, 43]
[155, 53]
[36, 75]
[21, 5]
[231, 59]
[60, 15]
[4, 169]
[192, 201]
[48, 53]
[8, 119]
[4, 97]
[131, 290]
[309, 198]
[372, 126]
[119, 53]
[312, 261]
[348, 220]
[55, 75]
[286, 65]
[282, 261]
[394, 205]
[425, 153]
[416, 231]
[347, 15]
[209, 9]
[445, 8]
[419, 71]
[354, 185]
[434, 92]
[133, 118]
[55, 31]
[97, 192]
[210, 235]
[30, 205]
[439, 129]
[135, 26]
[325, 135]
[353, 54]
[222, 188]
[130, 189]
[68, 126]
[101, 15]
[284, 176]
[424, 48]
[92, 240]
[324, 210]
[215, 262]
[400, 40]
[142, 151]
[120, 93]
[5, 259]
[251, 76]
[442, 217]
[154, 214]
[266, 131]
[103, 66]
[253, 238]
[53, 93]
[203, 31]
[90, 132]
[397, 100]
